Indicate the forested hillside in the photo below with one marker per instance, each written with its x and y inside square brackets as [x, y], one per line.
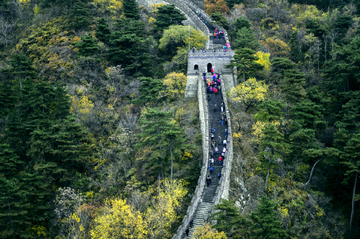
[93, 123]
[295, 118]
[97, 141]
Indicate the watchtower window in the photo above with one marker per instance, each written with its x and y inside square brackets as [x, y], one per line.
[209, 67]
[196, 68]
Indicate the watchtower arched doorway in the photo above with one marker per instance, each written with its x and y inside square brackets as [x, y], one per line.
[209, 67]
[196, 68]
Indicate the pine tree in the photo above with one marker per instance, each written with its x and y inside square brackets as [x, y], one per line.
[177, 145]
[131, 9]
[293, 86]
[79, 15]
[148, 90]
[220, 20]
[278, 67]
[14, 205]
[245, 38]
[155, 124]
[231, 3]
[8, 99]
[21, 67]
[269, 111]
[244, 61]
[229, 220]
[168, 15]
[266, 221]
[65, 145]
[103, 31]
[351, 157]
[128, 46]
[273, 146]
[88, 45]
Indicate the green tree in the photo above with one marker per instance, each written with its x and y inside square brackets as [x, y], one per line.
[131, 9]
[8, 99]
[21, 67]
[175, 40]
[308, 114]
[14, 204]
[269, 111]
[79, 14]
[231, 3]
[168, 15]
[351, 157]
[153, 141]
[103, 31]
[266, 221]
[273, 146]
[293, 86]
[245, 38]
[241, 22]
[229, 220]
[219, 19]
[177, 144]
[87, 46]
[278, 67]
[149, 90]
[244, 60]
[128, 47]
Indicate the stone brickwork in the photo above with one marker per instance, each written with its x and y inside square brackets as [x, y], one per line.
[204, 124]
[191, 86]
[199, 61]
[197, 64]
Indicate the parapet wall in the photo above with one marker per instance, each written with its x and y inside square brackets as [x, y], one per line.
[204, 124]
[205, 16]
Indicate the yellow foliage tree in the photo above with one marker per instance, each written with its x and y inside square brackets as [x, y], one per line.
[207, 232]
[81, 106]
[277, 47]
[179, 35]
[175, 84]
[155, 6]
[249, 92]
[264, 59]
[119, 220]
[108, 7]
[163, 212]
[216, 6]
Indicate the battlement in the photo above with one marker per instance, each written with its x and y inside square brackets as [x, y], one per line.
[202, 61]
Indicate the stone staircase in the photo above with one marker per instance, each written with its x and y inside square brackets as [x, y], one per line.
[206, 205]
[205, 197]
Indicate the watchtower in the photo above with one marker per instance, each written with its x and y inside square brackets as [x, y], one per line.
[202, 61]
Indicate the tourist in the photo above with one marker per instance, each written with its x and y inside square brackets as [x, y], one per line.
[208, 180]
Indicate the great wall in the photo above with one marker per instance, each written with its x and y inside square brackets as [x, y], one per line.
[199, 62]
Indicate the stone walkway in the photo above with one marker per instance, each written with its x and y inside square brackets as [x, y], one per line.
[206, 205]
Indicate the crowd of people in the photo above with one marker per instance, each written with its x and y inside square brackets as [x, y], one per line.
[213, 86]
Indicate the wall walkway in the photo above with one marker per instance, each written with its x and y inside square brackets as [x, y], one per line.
[205, 198]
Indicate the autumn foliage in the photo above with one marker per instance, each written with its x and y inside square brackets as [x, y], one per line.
[216, 6]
